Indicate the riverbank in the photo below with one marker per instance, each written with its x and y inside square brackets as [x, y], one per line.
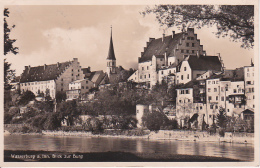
[168, 135]
[48, 156]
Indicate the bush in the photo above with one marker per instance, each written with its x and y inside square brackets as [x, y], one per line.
[221, 132]
[155, 120]
[26, 97]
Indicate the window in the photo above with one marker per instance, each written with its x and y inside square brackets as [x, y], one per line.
[192, 51]
[149, 75]
[209, 82]
[144, 76]
[161, 59]
[180, 101]
[210, 98]
[140, 76]
[248, 82]
[209, 89]
[215, 89]
[182, 51]
[187, 44]
[61, 89]
[193, 44]
[216, 97]
[248, 75]
[234, 90]
[142, 68]
[170, 71]
[201, 107]
[147, 67]
[222, 89]
[185, 68]
[72, 70]
[86, 82]
[222, 98]
[187, 91]
[213, 82]
[188, 76]
[82, 87]
[227, 110]
[192, 38]
[162, 72]
[216, 82]
[187, 51]
[240, 105]
[181, 77]
[211, 106]
[71, 74]
[216, 106]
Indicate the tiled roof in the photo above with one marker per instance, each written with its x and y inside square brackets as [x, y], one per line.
[205, 63]
[43, 73]
[159, 47]
[230, 75]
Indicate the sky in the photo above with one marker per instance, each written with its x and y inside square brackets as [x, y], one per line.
[51, 34]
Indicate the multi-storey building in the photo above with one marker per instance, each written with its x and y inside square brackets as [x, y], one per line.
[50, 78]
[249, 86]
[78, 88]
[164, 54]
[194, 66]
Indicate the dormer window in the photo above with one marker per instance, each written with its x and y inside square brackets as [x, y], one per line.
[185, 68]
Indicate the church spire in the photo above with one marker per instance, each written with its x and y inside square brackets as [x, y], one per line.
[111, 53]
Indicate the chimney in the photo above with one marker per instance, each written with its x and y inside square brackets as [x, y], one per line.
[89, 68]
[173, 33]
[75, 59]
[29, 67]
[165, 59]
[44, 67]
[151, 39]
[58, 64]
[163, 37]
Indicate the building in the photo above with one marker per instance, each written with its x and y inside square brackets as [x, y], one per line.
[50, 79]
[194, 66]
[249, 86]
[165, 54]
[78, 89]
[111, 59]
[191, 100]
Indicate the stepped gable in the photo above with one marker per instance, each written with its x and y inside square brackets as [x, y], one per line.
[159, 47]
[43, 73]
[205, 63]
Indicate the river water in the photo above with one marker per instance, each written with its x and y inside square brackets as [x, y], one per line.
[91, 144]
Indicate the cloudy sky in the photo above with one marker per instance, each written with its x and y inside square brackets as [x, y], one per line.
[50, 34]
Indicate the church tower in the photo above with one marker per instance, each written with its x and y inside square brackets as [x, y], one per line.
[111, 59]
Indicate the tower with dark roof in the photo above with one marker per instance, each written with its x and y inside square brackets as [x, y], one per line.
[111, 59]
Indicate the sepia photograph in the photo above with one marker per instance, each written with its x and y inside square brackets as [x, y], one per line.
[130, 83]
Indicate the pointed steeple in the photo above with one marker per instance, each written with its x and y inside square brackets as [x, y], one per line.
[111, 53]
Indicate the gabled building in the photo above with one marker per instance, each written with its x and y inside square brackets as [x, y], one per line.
[50, 78]
[165, 53]
[194, 66]
[78, 89]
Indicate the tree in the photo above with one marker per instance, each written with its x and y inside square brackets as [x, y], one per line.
[60, 96]
[222, 118]
[26, 97]
[155, 120]
[8, 47]
[235, 21]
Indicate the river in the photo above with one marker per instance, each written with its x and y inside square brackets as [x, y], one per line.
[91, 144]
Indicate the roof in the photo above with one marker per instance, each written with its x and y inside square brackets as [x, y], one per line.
[247, 111]
[204, 63]
[77, 81]
[111, 53]
[230, 75]
[43, 73]
[159, 47]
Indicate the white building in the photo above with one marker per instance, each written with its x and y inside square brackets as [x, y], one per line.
[162, 55]
[50, 78]
[249, 86]
[78, 88]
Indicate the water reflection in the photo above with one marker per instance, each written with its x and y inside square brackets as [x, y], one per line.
[88, 144]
